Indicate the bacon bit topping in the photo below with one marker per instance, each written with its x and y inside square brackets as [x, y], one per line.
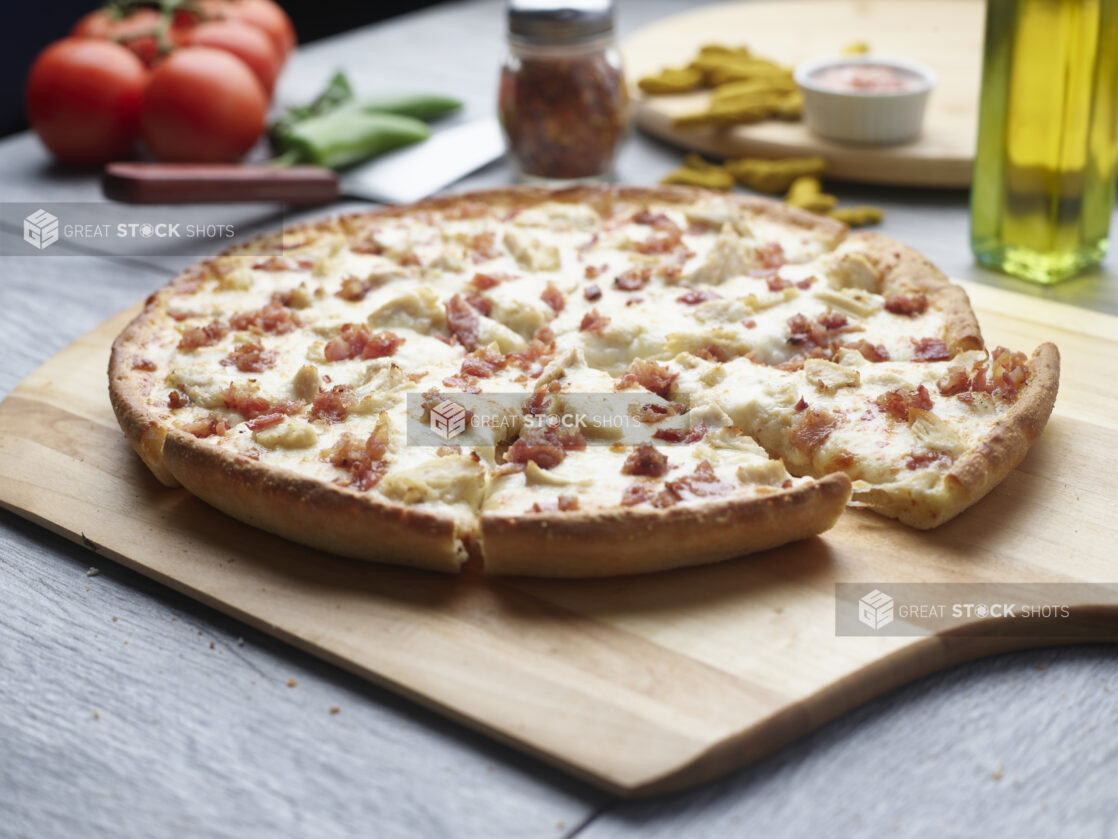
[777, 283]
[870, 352]
[265, 421]
[645, 461]
[655, 220]
[368, 246]
[954, 381]
[483, 363]
[483, 246]
[592, 292]
[702, 483]
[680, 435]
[564, 504]
[206, 426]
[592, 272]
[356, 341]
[750, 324]
[462, 319]
[272, 318]
[354, 288]
[801, 405]
[652, 412]
[635, 494]
[812, 431]
[143, 364]
[410, 258]
[203, 336]
[283, 263]
[806, 283]
[483, 282]
[694, 296]
[176, 400]
[333, 405]
[363, 460]
[931, 349]
[771, 255]
[593, 321]
[479, 301]
[250, 357]
[649, 375]
[553, 297]
[819, 334]
[546, 447]
[246, 403]
[900, 404]
[1007, 373]
[714, 352]
[907, 304]
[634, 279]
[530, 358]
[918, 460]
[181, 315]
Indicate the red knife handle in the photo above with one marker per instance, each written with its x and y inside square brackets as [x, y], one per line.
[205, 183]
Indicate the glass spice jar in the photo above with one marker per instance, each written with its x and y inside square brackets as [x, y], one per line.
[562, 102]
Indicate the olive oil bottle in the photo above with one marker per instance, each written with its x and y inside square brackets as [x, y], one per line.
[1043, 187]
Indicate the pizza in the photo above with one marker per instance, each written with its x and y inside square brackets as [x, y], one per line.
[396, 385]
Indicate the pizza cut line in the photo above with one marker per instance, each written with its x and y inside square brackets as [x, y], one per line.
[781, 369]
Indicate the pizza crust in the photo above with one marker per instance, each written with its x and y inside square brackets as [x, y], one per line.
[905, 271]
[642, 541]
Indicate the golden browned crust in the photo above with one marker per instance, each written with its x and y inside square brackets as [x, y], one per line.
[904, 271]
[313, 512]
[994, 457]
[639, 541]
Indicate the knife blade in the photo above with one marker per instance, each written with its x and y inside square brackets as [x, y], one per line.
[400, 177]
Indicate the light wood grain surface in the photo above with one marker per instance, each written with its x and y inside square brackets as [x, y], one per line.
[1020, 745]
[945, 35]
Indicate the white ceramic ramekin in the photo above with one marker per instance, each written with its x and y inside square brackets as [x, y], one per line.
[862, 116]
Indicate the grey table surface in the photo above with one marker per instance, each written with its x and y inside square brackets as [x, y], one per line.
[127, 709]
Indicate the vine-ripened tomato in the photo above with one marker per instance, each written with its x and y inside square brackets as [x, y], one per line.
[137, 31]
[83, 99]
[202, 104]
[263, 14]
[246, 42]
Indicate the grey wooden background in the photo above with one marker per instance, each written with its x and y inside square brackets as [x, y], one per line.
[128, 710]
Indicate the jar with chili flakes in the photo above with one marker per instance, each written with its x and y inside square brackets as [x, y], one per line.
[563, 102]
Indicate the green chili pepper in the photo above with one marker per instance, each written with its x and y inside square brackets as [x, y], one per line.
[345, 137]
[337, 93]
[424, 106]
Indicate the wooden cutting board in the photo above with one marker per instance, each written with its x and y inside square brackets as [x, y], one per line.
[639, 685]
[944, 34]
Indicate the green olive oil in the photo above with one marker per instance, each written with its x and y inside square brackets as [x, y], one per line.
[1043, 186]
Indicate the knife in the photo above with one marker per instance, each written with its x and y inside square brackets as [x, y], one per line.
[400, 177]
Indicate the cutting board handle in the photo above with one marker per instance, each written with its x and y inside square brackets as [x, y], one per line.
[217, 183]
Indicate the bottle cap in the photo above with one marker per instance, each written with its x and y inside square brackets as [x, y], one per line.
[548, 22]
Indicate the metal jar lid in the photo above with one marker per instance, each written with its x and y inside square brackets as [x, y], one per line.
[548, 22]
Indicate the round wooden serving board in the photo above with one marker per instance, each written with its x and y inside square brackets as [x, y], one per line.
[944, 34]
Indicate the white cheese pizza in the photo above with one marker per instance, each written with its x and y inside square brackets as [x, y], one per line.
[768, 367]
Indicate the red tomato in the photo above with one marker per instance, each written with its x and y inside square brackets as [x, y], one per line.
[263, 14]
[137, 31]
[202, 104]
[248, 43]
[83, 99]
